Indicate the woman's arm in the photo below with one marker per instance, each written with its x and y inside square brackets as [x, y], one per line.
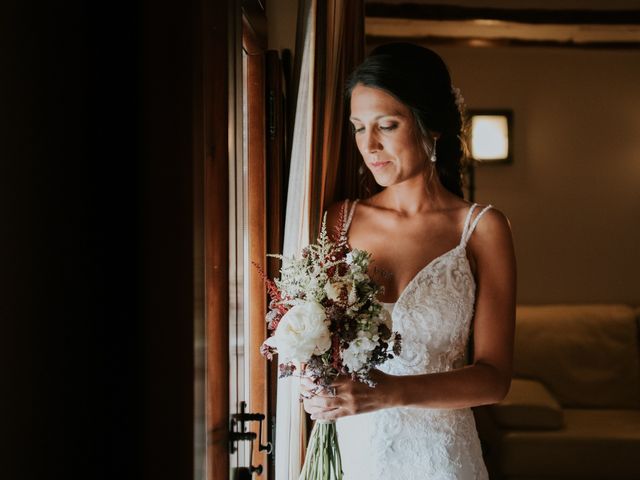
[488, 379]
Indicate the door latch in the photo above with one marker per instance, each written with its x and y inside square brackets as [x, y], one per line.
[238, 433]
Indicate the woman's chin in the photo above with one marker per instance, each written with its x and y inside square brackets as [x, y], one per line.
[384, 180]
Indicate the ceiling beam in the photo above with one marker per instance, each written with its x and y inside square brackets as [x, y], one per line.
[374, 40]
[519, 15]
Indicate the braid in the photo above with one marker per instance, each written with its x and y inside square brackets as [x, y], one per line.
[450, 149]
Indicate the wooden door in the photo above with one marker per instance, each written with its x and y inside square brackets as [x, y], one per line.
[246, 138]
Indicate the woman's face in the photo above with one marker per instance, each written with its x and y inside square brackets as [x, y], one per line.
[385, 134]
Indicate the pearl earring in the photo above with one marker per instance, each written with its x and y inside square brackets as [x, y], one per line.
[433, 157]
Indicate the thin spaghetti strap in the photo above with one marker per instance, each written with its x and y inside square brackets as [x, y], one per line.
[475, 222]
[347, 222]
[344, 214]
[351, 212]
[466, 224]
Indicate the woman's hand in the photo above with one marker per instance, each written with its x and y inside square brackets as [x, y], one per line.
[350, 398]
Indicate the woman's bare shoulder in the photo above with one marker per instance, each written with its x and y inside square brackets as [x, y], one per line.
[494, 221]
[492, 235]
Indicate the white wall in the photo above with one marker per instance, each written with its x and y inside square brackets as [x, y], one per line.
[573, 191]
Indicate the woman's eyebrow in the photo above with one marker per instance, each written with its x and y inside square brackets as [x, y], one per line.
[395, 114]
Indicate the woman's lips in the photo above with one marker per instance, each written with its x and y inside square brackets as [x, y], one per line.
[378, 164]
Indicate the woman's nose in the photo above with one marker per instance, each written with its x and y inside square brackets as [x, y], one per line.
[372, 143]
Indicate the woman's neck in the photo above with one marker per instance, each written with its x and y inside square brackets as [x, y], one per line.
[412, 197]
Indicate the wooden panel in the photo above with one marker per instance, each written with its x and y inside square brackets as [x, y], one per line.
[218, 20]
[276, 189]
[253, 13]
[256, 229]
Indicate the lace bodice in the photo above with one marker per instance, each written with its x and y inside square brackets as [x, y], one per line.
[433, 314]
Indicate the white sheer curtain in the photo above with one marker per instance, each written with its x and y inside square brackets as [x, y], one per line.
[329, 43]
[289, 417]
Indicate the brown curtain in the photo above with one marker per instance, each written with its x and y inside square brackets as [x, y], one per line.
[329, 44]
[335, 160]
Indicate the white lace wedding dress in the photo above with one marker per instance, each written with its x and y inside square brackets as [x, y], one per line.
[433, 314]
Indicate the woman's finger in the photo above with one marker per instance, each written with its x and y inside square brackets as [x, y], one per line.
[307, 382]
[327, 391]
[324, 402]
[332, 414]
[313, 409]
[308, 389]
[316, 405]
[341, 380]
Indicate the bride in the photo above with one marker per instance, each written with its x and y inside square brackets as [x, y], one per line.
[452, 278]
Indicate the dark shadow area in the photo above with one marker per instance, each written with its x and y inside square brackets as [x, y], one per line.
[97, 258]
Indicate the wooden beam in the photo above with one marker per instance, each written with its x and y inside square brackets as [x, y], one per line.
[373, 41]
[519, 15]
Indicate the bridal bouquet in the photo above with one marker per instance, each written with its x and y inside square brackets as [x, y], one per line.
[325, 319]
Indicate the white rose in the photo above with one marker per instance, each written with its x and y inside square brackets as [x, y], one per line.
[356, 355]
[302, 332]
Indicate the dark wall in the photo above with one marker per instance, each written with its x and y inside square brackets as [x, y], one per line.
[96, 196]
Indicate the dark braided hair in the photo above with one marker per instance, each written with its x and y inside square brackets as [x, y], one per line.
[419, 78]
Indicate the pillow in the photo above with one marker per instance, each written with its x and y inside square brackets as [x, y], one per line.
[586, 355]
[528, 405]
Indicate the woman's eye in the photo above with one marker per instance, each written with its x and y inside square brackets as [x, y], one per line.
[385, 128]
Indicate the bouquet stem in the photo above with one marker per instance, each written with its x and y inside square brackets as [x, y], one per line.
[322, 461]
